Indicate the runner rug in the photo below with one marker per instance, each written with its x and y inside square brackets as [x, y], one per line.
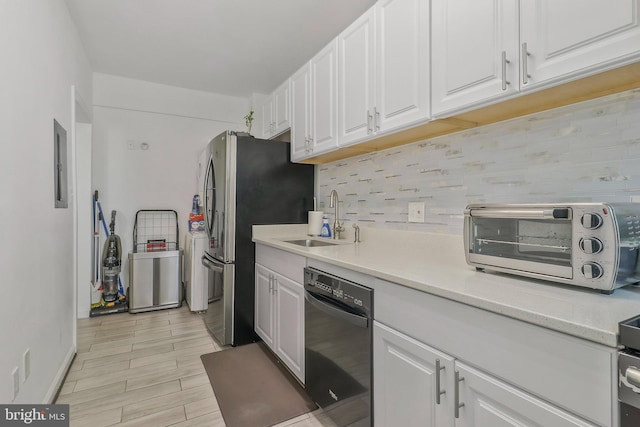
[252, 387]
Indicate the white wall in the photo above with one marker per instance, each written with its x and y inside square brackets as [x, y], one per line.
[584, 152]
[41, 59]
[176, 124]
[84, 267]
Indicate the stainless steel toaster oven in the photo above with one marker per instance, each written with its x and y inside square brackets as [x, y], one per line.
[593, 245]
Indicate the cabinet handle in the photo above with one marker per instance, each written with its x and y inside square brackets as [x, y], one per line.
[275, 285]
[376, 119]
[525, 72]
[270, 284]
[369, 117]
[438, 392]
[306, 144]
[633, 376]
[505, 61]
[456, 394]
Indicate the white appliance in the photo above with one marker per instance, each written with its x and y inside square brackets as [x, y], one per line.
[195, 274]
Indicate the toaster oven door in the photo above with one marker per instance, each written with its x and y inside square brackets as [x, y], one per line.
[535, 240]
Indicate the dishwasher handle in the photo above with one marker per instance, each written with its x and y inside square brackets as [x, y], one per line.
[331, 310]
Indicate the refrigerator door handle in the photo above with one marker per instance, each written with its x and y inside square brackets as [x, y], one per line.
[207, 177]
[209, 263]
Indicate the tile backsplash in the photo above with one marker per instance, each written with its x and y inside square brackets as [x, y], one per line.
[584, 152]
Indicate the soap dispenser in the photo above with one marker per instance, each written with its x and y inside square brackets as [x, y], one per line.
[325, 231]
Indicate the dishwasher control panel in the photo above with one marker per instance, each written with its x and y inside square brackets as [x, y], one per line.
[346, 292]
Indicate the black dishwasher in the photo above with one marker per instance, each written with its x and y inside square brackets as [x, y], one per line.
[338, 342]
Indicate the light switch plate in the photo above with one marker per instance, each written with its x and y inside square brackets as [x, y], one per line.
[416, 212]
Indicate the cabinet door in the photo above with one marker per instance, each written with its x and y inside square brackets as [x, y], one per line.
[406, 380]
[300, 112]
[324, 79]
[402, 56]
[267, 117]
[474, 53]
[280, 114]
[573, 37]
[290, 324]
[489, 402]
[356, 79]
[264, 305]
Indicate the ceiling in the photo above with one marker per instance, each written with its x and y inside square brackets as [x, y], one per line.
[233, 47]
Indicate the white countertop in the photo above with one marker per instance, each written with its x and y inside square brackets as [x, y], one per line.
[434, 263]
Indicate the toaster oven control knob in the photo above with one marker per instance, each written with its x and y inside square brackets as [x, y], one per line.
[591, 221]
[590, 245]
[592, 270]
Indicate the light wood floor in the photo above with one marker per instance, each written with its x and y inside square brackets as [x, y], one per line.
[145, 370]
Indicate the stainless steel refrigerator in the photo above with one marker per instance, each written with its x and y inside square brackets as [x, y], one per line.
[248, 181]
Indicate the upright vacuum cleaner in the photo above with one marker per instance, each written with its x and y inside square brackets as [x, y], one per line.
[107, 266]
[111, 263]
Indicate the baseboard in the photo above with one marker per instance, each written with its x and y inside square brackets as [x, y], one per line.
[84, 313]
[59, 378]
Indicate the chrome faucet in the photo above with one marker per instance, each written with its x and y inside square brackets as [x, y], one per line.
[333, 202]
[356, 237]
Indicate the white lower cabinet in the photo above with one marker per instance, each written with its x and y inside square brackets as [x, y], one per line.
[264, 324]
[407, 377]
[279, 306]
[510, 373]
[417, 385]
[484, 401]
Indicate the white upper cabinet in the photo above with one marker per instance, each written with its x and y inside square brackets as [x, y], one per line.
[484, 50]
[276, 111]
[300, 112]
[314, 88]
[402, 56]
[384, 70]
[356, 79]
[567, 38]
[324, 91]
[474, 51]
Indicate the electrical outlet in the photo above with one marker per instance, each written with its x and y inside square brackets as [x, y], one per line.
[26, 364]
[416, 212]
[15, 383]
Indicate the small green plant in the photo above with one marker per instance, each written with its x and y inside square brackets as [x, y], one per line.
[248, 120]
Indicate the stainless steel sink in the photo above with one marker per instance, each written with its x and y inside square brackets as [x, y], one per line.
[310, 243]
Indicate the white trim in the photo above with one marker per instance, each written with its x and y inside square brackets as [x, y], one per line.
[57, 380]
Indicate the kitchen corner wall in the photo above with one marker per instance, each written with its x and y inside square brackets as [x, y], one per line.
[42, 58]
[175, 124]
[584, 152]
